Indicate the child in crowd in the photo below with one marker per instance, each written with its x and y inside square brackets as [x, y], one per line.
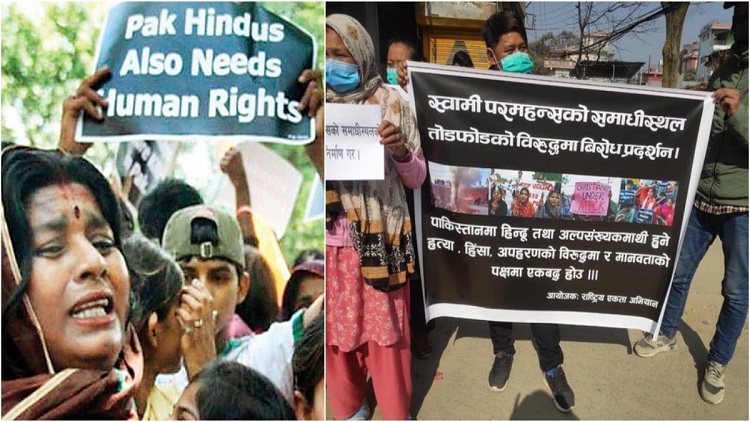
[307, 364]
[231, 391]
[304, 286]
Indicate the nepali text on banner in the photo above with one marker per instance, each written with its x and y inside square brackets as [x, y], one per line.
[521, 219]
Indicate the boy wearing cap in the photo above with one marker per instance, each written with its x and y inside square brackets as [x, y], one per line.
[207, 243]
[306, 284]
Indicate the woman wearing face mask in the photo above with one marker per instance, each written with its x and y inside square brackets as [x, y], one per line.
[507, 50]
[367, 223]
[400, 49]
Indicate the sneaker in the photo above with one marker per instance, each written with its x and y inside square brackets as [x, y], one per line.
[500, 371]
[561, 391]
[712, 387]
[362, 414]
[647, 347]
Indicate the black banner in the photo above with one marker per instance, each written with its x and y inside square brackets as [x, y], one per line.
[183, 71]
[553, 200]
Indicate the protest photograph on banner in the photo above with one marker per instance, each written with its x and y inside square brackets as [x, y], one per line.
[191, 71]
[459, 189]
[500, 192]
[559, 235]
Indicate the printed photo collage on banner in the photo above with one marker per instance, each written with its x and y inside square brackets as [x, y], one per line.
[371, 210]
[507, 193]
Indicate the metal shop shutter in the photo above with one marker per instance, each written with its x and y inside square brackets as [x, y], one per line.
[443, 45]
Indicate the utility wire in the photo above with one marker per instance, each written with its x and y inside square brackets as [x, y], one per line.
[616, 35]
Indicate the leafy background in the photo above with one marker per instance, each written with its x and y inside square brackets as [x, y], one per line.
[48, 48]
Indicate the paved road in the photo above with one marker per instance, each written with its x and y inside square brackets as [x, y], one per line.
[610, 381]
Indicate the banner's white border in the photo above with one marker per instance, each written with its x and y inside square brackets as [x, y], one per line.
[590, 319]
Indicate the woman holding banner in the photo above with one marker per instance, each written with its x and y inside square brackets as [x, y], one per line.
[368, 225]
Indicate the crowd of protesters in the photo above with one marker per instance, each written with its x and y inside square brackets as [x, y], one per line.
[110, 315]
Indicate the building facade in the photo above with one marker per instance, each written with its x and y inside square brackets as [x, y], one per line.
[714, 36]
[689, 57]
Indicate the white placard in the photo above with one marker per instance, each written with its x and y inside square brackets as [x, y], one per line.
[353, 149]
[274, 186]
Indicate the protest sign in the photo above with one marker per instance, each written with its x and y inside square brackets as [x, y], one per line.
[591, 198]
[197, 71]
[569, 256]
[353, 149]
[147, 162]
[274, 186]
[315, 206]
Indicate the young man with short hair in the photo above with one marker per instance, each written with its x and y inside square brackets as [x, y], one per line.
[207, 243]
[507, 50]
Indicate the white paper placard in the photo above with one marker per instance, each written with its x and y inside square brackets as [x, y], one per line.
[353, 149]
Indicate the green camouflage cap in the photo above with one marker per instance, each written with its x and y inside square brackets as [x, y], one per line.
[177, 240]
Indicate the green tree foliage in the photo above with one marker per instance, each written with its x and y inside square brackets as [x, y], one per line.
[551, 45]
[48, 48]
[550, 177]
[690, 75]
[46, 52]
[301, 235]
[309, 15]
[539, 50]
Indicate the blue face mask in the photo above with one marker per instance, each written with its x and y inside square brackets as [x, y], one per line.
[341, 76]
[517, 62]
[391, 75]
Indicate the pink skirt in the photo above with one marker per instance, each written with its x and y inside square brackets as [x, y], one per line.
[355, 312]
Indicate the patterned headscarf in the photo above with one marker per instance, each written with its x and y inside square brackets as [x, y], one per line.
[358, 42]
[378, 217]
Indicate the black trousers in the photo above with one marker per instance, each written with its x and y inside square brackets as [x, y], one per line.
[546, 336]
[416, 305]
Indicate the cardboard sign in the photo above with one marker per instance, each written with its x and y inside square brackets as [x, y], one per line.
[197, 71]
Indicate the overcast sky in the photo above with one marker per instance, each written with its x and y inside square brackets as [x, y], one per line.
[554, 17]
